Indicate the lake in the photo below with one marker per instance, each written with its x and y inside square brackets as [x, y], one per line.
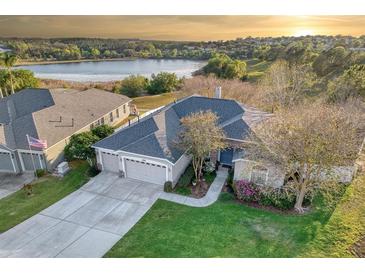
[102, 71]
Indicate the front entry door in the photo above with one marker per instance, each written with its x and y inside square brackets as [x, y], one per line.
[226, 157]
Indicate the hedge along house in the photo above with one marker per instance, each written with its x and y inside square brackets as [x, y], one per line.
[51, 115]
[147, 150]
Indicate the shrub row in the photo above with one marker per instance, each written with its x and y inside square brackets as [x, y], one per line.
[187, 177]
[250, 192]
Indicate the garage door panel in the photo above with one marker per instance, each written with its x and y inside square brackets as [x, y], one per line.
[6, 164]
[110, 162]
[145, 171]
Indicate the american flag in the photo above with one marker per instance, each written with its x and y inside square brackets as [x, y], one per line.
[37, 142]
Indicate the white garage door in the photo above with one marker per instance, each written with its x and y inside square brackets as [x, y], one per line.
[145, 171]
[110, 162]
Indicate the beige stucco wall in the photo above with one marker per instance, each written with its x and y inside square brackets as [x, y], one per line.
[180, 167]
[243, 169]
[54, 154]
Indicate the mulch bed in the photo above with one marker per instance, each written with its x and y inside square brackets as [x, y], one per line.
[200, 190]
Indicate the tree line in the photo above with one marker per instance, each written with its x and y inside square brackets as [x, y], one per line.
[265, 48]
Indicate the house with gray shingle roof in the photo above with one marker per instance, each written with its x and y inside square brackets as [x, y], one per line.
[51, 115]
[147, 150]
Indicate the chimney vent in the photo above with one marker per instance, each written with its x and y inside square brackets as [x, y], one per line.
[218, 92]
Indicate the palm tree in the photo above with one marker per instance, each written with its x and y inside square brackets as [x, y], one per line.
[8, 60]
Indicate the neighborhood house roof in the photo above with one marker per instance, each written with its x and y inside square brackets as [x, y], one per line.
[52, 115]
[156, 134]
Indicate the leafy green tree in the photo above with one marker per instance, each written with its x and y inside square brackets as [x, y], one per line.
[163, 82]
[20, 79]
[262, 52]
[102, 131]
[79, 146]
[174, 53]
[350, 84]
[134, 85]
[224, 67]
[95, 53]
[332, 61]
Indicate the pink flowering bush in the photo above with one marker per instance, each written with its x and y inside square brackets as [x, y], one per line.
[246, 191]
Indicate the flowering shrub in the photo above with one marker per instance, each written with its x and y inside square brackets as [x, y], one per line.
[209, 167]
[277, 198]
[246, 191]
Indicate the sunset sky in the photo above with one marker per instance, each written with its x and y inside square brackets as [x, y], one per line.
[179, 27]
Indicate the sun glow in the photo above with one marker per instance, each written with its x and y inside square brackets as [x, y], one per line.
[303, 32]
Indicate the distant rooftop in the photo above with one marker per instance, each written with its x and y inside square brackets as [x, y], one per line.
[52, 115]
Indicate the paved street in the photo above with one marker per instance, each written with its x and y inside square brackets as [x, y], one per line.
[87, 223]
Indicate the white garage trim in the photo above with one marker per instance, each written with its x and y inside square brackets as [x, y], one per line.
[143, 156]
[12, 161]
[21, 161]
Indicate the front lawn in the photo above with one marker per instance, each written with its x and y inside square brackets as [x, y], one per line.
[229, 229]
[17, 207]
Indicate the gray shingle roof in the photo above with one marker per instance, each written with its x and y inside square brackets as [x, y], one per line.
[129, 136]
[25, 102]
[156, 135]
[237, 130]
[223, 108]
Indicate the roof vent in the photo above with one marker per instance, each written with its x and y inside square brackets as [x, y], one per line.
[218, 92]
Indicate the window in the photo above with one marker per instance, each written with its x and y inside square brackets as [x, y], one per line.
[102, 121]
[124, 109]
[111, 116]
[259, 174]
[117, 112]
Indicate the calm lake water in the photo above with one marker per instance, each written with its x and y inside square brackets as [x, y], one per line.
[113, 70]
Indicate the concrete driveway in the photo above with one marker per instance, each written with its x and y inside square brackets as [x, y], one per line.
[87, 223]
[9, 183]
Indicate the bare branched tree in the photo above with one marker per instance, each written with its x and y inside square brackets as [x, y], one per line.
[283, 86]
[200, 135]
[306, 143]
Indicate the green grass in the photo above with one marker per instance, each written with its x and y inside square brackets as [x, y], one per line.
[155, 101]
[17, 207]
[229, 229]
[256, 69]
[345, 227]
[209, 177]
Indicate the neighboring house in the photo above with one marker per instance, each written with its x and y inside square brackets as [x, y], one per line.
[52, 115]
[147, 150]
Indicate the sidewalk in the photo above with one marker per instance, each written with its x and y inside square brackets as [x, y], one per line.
[208, 199]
